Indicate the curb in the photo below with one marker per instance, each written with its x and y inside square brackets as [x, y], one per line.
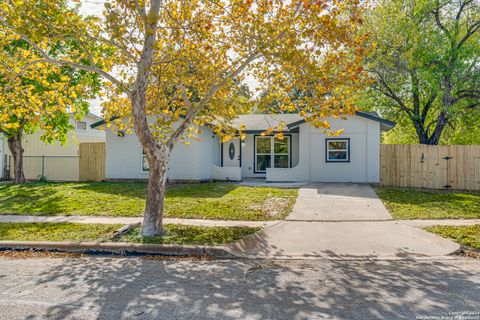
[121, 248]
[219, 252]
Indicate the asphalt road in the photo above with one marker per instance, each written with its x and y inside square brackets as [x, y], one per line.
[135, 288]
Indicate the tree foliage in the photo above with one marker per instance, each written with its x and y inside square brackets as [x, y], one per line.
[36, 95]
[180, 65]
[426, 64]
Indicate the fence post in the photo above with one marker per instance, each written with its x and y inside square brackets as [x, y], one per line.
[43, 166]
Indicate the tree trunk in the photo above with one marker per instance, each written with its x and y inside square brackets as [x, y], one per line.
[15, 146]
[157, 178]
[441, 123]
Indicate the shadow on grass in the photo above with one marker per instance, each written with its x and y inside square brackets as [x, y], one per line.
[110, 288]
[139, 189]
[124, 189]
[31, 198]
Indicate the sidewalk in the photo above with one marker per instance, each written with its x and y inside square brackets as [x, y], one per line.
[129, 220]
[208, 223]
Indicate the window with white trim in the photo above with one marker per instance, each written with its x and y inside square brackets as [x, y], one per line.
[271, 151]
[337, 150]
[145, 165]
[81, 125]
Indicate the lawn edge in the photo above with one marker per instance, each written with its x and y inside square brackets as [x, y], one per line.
[123, 248]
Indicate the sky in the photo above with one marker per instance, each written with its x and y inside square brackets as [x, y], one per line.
[93, 7]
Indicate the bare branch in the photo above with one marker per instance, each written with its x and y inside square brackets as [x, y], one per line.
[391, 94]
[141, 11]
[470, 32]
[436, 13]
[191, 114]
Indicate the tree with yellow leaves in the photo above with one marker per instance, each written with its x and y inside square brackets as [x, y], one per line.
[37, 97]
[181, 64]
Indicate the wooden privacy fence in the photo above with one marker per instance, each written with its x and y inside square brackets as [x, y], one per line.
[92, 161]
[433, 167]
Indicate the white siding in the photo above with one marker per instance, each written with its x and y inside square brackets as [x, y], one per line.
[312, 166]
[89, 135]
[2, 156]
[187, 162]
[373, 152]
[61, 161]
[353, 171]
[195, 161]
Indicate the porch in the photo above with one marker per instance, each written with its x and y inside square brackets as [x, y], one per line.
[259, 159]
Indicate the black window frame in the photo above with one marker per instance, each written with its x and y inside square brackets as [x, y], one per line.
[290, 154]
[337, 161]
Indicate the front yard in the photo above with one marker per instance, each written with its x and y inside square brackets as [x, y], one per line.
[174, 234]
[204, 201]
[410, 203]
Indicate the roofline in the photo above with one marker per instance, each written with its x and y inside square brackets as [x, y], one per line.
[387, 123]
[88, 114]
[101, 122]
[94, 116]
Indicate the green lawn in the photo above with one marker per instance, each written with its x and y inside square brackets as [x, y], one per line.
[468, 236]
[174, 234]
[207, 200]
[408, 203]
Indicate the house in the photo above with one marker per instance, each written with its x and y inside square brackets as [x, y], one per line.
[305, 154]
[55, 161]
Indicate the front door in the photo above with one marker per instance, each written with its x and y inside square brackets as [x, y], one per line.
[232, 154]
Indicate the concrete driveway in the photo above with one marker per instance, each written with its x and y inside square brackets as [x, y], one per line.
[334, 220]
[338, 202]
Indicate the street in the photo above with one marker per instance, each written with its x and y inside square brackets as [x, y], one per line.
[138, 288]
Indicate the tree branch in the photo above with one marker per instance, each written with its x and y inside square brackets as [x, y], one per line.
[391, 94]
[470, 32]
[436, 13]
[94, 69]
[427, 106]
[191, 114]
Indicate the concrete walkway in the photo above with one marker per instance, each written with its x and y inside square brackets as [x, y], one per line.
[129, 220]
[342, 221]
[338, 202]
[363, 239]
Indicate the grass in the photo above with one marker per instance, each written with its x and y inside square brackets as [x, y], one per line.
[181, 234]
[174, 234]
[408, 203]
[468, 236]
[56, 231]
[204, 201]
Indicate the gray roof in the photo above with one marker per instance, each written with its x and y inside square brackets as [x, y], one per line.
[262, 122]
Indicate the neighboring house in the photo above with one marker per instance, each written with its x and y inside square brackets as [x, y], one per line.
[59, 162]
[305, 154]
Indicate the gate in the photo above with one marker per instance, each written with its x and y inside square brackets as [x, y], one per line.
[433, 167]
[92, 161]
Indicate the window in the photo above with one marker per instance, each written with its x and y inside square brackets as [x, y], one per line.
[337, 150]
[231, 151]
[81, 125]
[270, 150]
[145, 165]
